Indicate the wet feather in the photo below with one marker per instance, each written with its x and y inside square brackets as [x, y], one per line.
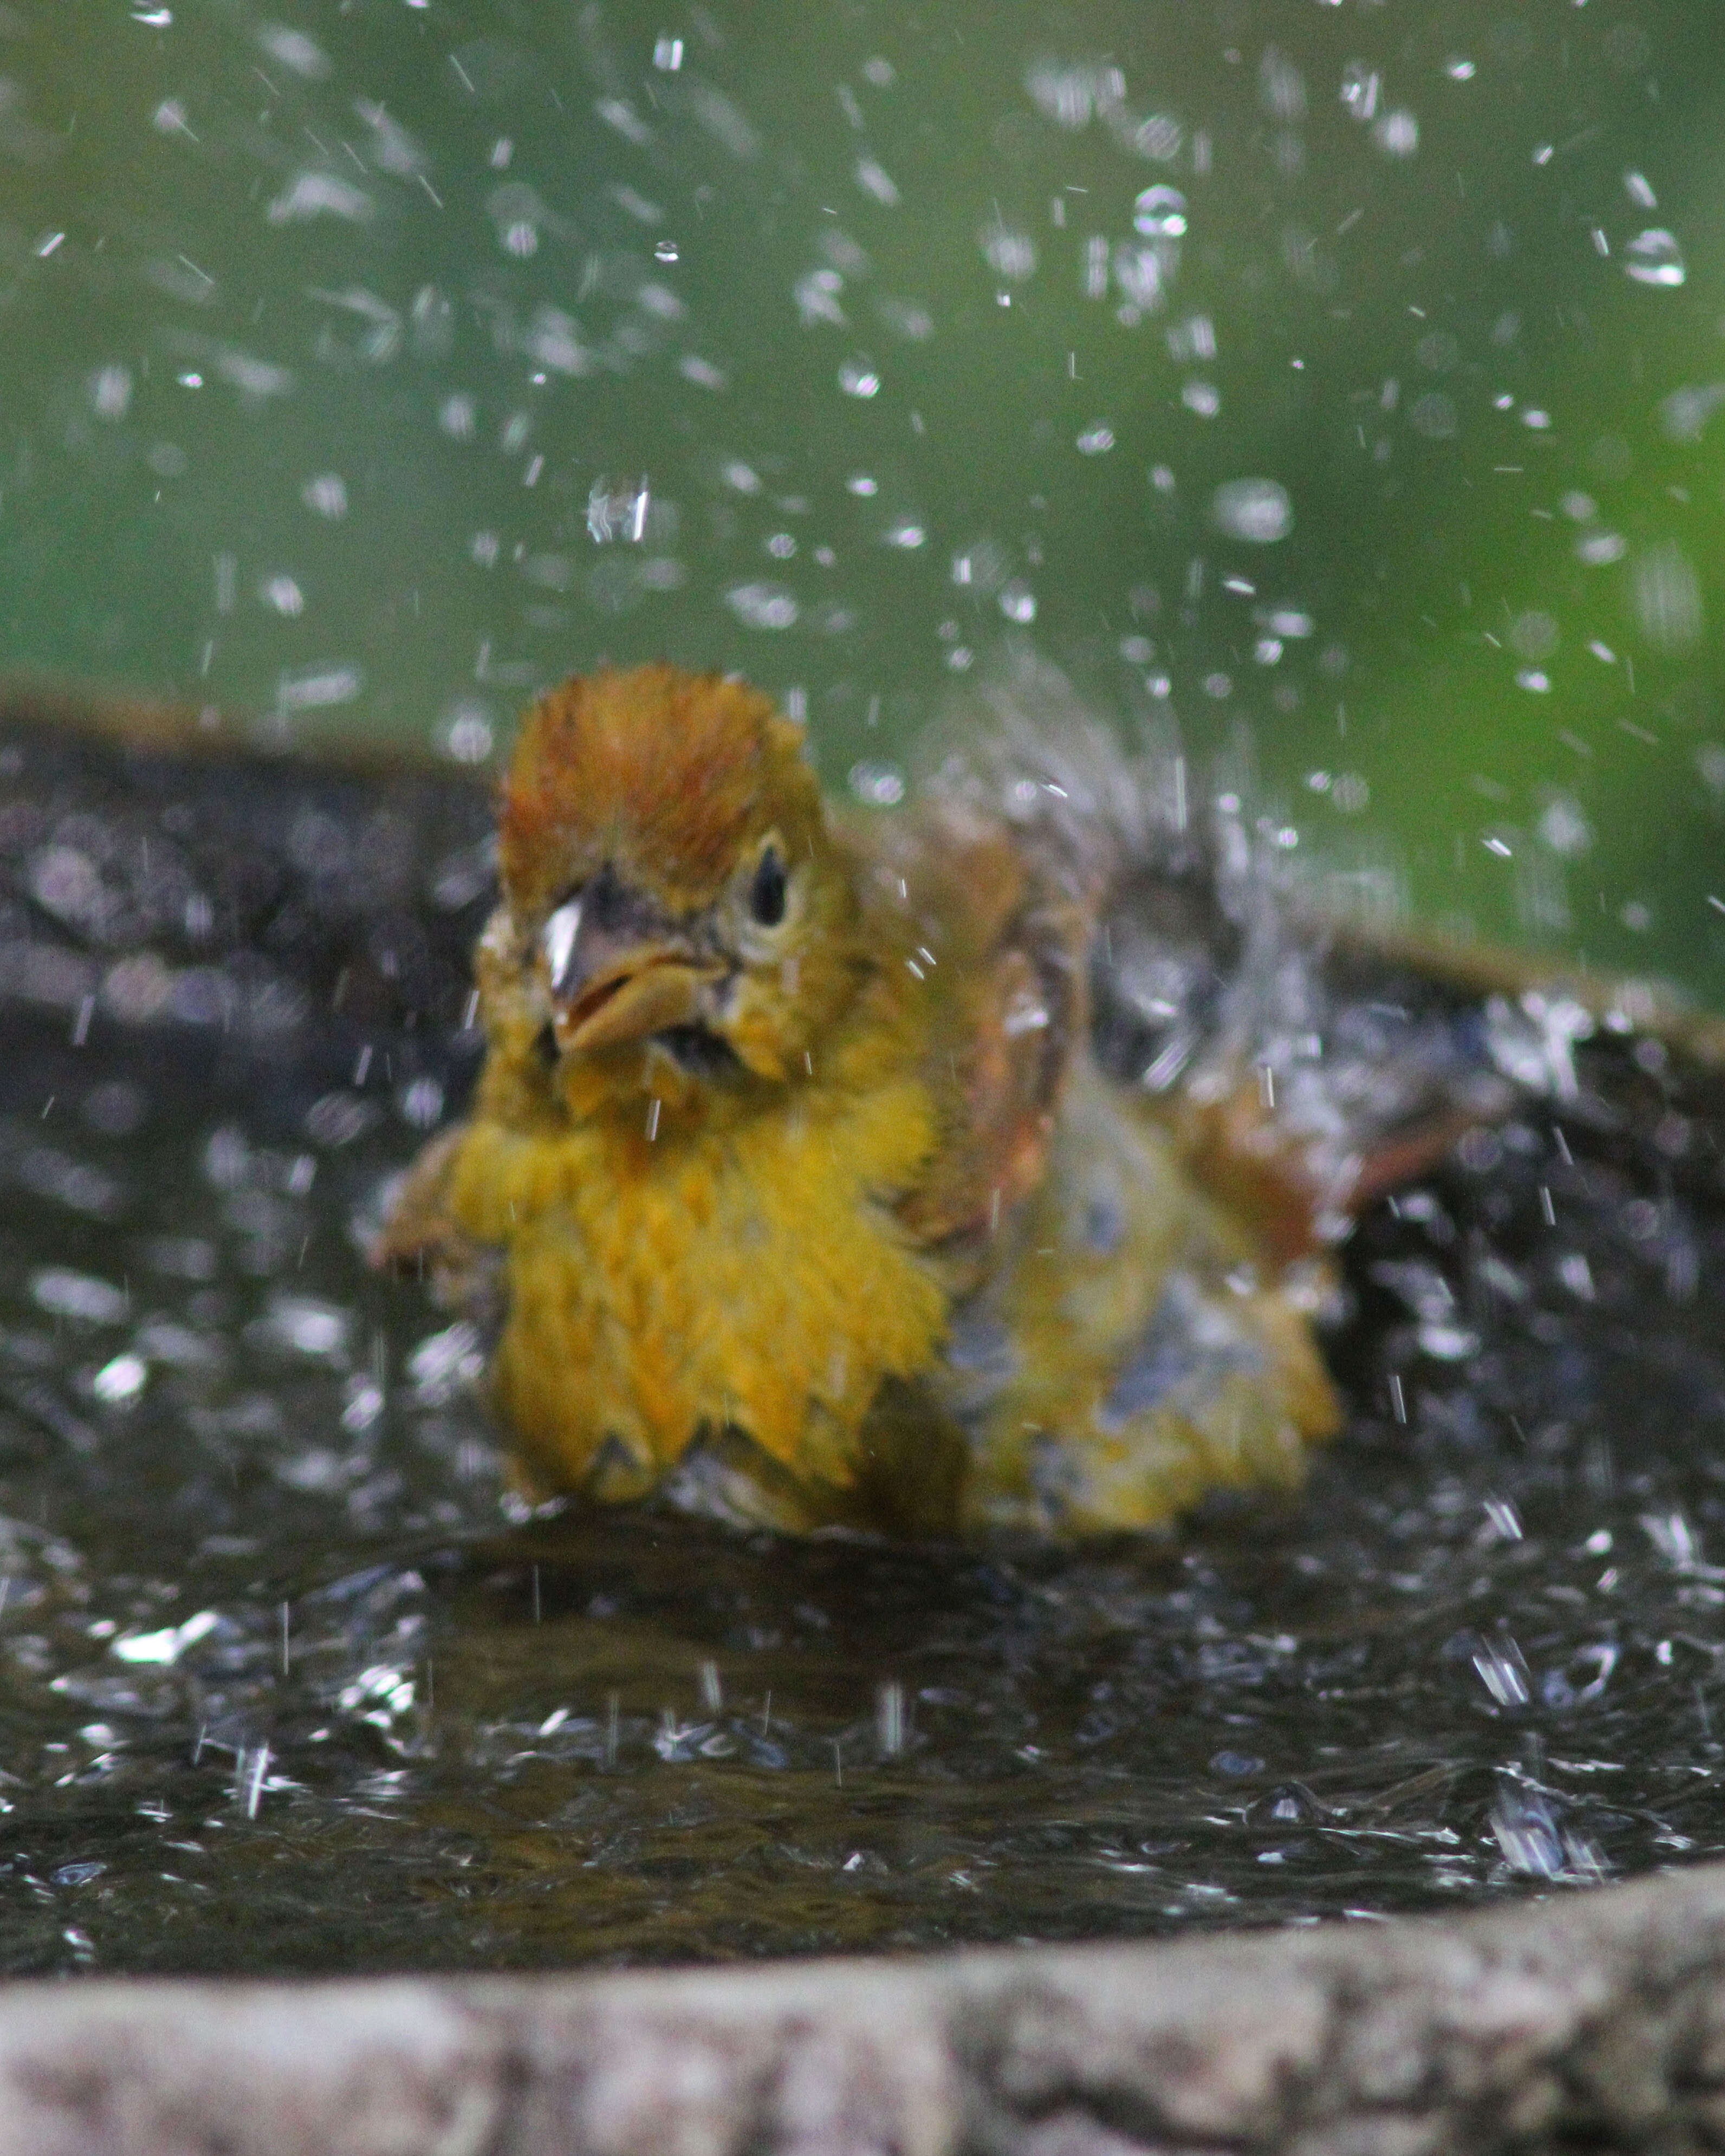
[891, 1222]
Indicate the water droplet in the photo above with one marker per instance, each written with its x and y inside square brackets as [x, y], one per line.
[1257, 509]
[1096, 441]
[1434, 416]
[763, 606]
[65, 1294]
[308, 1326]
[1009, 253]
[1017, 601]
[1533, 635]
[1360, 85]
[1202, 397]
[612, 513]
[1070, 94]
[1564, 829]
[857, 379]
[467, 734]
[1397, 134]
[1667, 597]
[1502, 1670]
[881, 785]
[1685, 414]
[1158, 137]
[1192, 339]
[1654, 257]
[908, 534]
[1281, 88]
[110, 392]
[283, 594]
[326, 495]
[665, 251]
[1141, 274]
[120, 1380]
[873, 179]
[421, 1104]
[1525, 1832]
[1160, 213]
[317, 687]
[1458, 70]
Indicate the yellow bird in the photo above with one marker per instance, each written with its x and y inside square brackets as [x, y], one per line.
[922, 1171]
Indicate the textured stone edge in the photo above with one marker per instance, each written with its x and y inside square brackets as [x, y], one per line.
[1592, 2021]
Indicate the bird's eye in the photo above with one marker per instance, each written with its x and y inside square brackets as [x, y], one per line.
[766, 893]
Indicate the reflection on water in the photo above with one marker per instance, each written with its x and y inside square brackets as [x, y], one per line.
[287, 1680]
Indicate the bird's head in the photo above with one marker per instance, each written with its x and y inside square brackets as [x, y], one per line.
[676, 912]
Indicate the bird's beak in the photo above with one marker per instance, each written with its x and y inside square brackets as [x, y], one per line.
[614, 984]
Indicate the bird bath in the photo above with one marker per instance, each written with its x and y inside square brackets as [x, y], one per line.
[1340, 382]
[293, 1683]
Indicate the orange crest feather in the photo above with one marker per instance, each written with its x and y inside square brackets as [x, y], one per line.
[663, 773]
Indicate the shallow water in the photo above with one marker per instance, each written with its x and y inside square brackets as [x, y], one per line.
[287, 1680]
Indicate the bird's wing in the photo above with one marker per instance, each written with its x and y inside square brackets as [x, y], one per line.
[1097, 902]
[999, 870]
[1007, 960]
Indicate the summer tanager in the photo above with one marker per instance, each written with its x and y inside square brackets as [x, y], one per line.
[920, 1170]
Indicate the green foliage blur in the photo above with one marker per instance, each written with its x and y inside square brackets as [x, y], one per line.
[1340, 384]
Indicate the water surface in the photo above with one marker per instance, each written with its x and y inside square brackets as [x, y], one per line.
[289, 1680]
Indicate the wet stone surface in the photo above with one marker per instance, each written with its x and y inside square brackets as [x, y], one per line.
[286, 1685]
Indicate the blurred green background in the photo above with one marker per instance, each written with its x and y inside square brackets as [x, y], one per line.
[1340, 381]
